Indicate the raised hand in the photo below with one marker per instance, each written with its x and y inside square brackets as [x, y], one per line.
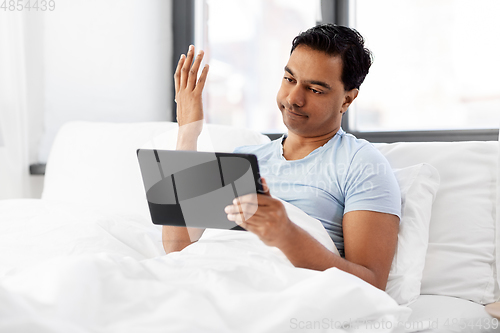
[188, 90]
[188, 93]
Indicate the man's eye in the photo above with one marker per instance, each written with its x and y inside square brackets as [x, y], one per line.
[316, 91]
[288, 79]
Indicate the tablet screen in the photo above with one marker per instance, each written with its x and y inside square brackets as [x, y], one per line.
[191, 189]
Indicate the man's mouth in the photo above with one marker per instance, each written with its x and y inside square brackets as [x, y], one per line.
[295, 113]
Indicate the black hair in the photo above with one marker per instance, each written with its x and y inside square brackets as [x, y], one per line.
[338, 40]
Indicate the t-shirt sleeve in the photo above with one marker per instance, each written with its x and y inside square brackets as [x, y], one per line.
[239, 149]
[370, 184]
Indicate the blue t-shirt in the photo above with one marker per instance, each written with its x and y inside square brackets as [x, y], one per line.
[345, 174]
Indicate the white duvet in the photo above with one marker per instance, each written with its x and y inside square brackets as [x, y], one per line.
[69, 268]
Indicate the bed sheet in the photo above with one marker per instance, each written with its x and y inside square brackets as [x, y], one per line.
[71, 268]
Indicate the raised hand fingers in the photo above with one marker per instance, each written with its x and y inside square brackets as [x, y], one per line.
[188, 94]
[202, 79]
[186, 67]
[193, 72]
[177, 74]
[186, 72]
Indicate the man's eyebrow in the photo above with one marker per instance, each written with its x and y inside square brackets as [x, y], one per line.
[315, 82]
[320, 83]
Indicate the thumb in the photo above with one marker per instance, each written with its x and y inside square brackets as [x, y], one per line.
[265, 187]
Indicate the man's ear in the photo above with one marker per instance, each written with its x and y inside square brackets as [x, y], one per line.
[349, 97]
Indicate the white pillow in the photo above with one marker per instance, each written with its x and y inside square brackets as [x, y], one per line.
[460, 259]
[96, 163]
[419, 184]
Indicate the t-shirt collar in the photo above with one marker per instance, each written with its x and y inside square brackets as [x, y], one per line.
[339, 133]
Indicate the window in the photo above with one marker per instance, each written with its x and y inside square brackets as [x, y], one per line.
[433, 78]
[247, 43]
[435, 65]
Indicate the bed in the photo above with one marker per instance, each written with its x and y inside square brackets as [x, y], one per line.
[86, 257]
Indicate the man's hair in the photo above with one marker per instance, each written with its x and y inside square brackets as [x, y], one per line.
[340, 41]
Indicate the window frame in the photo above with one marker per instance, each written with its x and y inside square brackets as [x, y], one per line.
[183, 25]
[337, 12]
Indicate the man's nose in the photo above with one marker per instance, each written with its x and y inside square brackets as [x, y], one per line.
[296, 96]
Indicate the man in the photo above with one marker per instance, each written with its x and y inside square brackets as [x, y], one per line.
[340, 180]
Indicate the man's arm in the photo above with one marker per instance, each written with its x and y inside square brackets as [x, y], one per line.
[370, 238]
[177, 238]
[188, 92]
[370, 241]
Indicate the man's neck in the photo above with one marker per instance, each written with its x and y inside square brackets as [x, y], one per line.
[297, 147]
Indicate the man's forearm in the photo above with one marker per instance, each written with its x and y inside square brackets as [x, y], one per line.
[177, 238]
[187, 137]
[319, 258]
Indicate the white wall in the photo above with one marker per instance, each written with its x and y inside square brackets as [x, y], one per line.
[106, 60]
[14, 177]
[33, 29]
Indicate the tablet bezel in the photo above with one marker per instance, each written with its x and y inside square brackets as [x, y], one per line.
[175, 216]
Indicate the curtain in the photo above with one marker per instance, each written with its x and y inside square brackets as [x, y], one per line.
[14, 162]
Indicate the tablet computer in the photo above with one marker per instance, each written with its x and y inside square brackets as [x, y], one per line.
[191, 188]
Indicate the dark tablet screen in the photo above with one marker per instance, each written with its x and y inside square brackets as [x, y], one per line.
[191, 189]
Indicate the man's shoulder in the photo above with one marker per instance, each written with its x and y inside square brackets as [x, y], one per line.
[350, 146]
[349, 140]
[352, 153]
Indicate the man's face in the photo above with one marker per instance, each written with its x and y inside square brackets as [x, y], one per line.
[312, 94]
